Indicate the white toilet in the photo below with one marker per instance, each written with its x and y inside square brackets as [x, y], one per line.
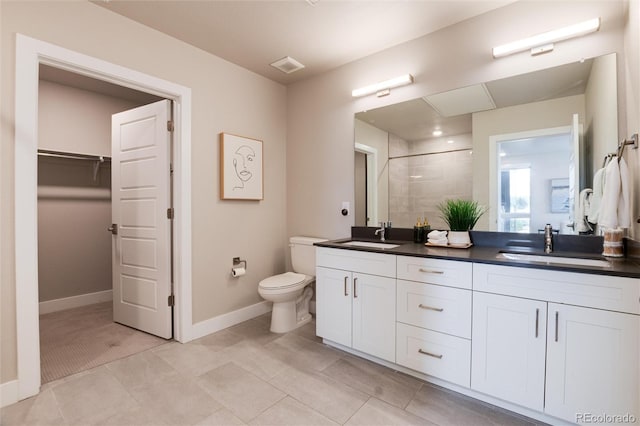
[290, 292]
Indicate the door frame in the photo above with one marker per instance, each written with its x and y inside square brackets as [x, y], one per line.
[30, 53]
[494, 181]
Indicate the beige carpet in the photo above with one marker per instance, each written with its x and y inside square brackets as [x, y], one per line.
[82, 338]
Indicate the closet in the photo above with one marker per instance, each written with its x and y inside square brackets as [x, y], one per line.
[74, 212]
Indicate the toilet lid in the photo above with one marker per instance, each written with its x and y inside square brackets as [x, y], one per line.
[288, 279]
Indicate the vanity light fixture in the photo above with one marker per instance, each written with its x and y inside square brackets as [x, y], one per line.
[384, 87]
[543, 42]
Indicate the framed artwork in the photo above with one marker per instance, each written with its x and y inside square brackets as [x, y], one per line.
[241, 168]
[559, 195]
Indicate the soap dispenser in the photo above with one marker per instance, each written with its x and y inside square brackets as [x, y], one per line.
[418, 232]
[426, 228]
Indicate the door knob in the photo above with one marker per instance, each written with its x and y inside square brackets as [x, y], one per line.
[113, 228]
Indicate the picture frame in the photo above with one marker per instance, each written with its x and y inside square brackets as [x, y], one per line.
[241, 168]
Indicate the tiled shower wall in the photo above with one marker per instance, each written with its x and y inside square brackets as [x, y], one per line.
[419, 182]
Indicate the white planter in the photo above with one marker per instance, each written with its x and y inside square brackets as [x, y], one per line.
[459, 238]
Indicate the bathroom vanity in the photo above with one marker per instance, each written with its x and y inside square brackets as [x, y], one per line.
[548, 340]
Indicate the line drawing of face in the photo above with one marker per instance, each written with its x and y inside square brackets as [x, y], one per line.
[243, 163]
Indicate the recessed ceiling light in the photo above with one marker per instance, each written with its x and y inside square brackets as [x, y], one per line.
[287, 65]
[437, 132]
[450, 141]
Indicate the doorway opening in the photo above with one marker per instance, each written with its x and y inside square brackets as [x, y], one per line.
[78, 330]
[30, 53]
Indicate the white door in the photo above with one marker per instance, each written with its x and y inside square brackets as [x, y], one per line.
[141, 245]
[508, 348]
[374, 315]
[333, 305]
[593, 359]
[574, 175]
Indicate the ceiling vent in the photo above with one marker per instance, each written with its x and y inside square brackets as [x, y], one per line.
[287, 65]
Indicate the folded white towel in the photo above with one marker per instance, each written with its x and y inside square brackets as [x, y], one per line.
[614, 211]
[437, 234]
[583, 208]
[596, 198]
[439, 241]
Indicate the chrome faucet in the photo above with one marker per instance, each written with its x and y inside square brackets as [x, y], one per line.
[548, 238]
[381, 231]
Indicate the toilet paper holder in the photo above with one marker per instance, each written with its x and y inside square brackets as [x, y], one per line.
[237, 262]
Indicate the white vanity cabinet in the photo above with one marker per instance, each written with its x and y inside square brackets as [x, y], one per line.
[582, 329]
[434, 317]
[356, 300]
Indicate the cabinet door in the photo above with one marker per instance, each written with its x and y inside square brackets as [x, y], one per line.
[592, 363]
[374, 315]
[508, 348]
[333, 305]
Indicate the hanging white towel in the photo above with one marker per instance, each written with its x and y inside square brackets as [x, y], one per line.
[583, 208]
[596, 197]
[624, 203]
[614, 209]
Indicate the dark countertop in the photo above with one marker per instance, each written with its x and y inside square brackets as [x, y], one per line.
[622, 267]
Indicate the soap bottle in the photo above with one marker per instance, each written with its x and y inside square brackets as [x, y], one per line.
[426, 228]
[418, 232]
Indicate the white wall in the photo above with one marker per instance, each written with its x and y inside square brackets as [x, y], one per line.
[225, 98]
[321, 110]
[601, 111]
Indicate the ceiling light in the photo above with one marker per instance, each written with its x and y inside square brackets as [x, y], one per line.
[544, 42]
[383, 87]
[437, 132]
[450, 141]
[503, 154]
[287, 65]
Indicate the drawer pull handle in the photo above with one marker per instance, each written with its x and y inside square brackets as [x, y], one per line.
[537, 321]
[431, 271]
[355, 288]
[429, 354]
[557, 325]
[431, 308]
[346, 292]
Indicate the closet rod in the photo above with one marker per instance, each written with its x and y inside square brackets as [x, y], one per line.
[71, 155]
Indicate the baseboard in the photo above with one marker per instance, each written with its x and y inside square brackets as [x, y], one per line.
[8, 393]
[221, 322]
[75, 301]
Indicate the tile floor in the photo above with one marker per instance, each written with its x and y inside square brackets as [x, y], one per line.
[247, 375]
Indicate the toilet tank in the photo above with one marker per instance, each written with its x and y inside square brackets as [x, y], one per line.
[303, 254]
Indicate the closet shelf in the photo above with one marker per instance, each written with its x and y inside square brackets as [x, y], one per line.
[72, 155]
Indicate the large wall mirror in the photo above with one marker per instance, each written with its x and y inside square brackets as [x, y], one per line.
[525, 146]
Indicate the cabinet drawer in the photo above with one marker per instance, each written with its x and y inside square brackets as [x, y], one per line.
[436, 354]
[438, 308]
[435, 271]
[596, 291]
[357, 261]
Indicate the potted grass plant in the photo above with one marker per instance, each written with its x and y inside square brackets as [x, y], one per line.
[461, 216]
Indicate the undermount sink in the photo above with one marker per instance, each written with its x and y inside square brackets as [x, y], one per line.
[370, 244]
[555, 260]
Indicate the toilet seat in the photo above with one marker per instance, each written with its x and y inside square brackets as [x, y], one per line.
[283, 281]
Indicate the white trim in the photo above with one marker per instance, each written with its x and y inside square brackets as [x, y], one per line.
[8, 393]
[30, 53]
[223, 321]
[494, 183]
[64, 303]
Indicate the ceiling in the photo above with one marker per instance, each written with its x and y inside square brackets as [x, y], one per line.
[321, 34]
[415, 120]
